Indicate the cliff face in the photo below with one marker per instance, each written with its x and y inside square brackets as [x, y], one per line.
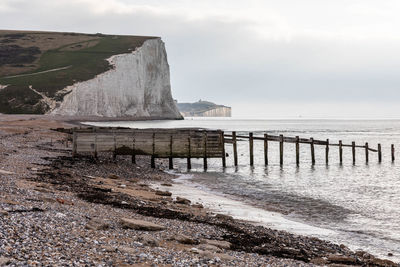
[138, 85]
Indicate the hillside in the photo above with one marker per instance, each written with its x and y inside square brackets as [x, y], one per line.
[204, 109]
[36, 68]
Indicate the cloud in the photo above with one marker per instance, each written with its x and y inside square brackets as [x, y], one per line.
[258, 52]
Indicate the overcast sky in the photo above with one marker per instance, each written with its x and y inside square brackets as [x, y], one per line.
[281, 58]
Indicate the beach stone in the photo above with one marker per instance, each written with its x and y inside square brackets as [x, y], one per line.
[163, 193]
[113, 176]
[199, 206]
[224, 217]
[380, 262]
[166, 184]
[140, 225]
[207, 247]
[3, 212]
[334, 258]
[4, 261]
[183, 239]
[217, 243]
[96, 224]
[181, 200]
[148, 240]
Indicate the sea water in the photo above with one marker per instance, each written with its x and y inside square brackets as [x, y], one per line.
[356, 205]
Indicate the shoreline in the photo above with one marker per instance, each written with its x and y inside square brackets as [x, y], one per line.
[73, 211]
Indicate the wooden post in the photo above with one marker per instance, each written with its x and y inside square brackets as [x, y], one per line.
[297, 151]
[266, 149]
[171, 163]
[205, 151]
[327, 152]
[251, 141]
[281, 149]
[379, 153]
[340, 152]
[223, 150]
[366, 152]
[74, 143]
[235, 156]
[115, 146]
[153, 162]
[189, 162]
[393, 157]
[95, 144]
[353, 151]
[312, 151]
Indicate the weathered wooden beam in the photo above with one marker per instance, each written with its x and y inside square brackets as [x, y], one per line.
[235, 155]
[312, 151]
[251, 144]
[379, 153]
[281, 149]
[170, 160]
[223, 150]
[366, 152]
[115, 146]
[95, 144]
[297, 151]
[74, 143]
[340, 152]
[266, 149]
[393, 153]
[353, 151]
[205, 151]
[327, 152]
[189, 161]
[153, 162]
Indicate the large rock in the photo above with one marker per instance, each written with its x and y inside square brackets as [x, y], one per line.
[138, 85]
[140, 225]
[217, 243]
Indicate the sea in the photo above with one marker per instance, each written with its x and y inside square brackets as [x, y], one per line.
[357, 205]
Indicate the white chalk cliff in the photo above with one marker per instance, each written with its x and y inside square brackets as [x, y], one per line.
[138, 85]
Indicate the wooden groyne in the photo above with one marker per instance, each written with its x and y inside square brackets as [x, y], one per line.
[157, 143]
[234, 138]
[200, 143]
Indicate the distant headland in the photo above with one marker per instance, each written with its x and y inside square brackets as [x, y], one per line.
[204, 109]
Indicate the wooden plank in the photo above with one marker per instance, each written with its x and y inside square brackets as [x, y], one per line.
[251, 149]
[327, 152]
[223, 150]
[281, 150]
[340, 152]
[235, 155]
[189, 162]
[297, 151]
[312, 151]
[353, 151]
[170, 161]
[205, 150]
[366, 153]
[266, 149]
[379, 153]
[393, 156]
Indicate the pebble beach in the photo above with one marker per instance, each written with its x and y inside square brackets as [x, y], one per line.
[56, 210]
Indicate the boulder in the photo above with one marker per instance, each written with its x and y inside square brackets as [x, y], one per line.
[148, 240]
[4, 261]
[97, 225]
[166, 184]
[217, 243]
[334, 258]
[198, 205]
[140, 225]
[3, 212]
[207, 247]
[113, 176]
[163, 193]
[183, 239]
[181, 200]
[224, 217]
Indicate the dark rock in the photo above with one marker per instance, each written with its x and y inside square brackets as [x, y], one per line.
[181, 200]
[163, 193]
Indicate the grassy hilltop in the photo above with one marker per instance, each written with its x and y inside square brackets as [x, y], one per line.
[49, 61]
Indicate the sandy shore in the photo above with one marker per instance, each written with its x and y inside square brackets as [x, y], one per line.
[56, 210]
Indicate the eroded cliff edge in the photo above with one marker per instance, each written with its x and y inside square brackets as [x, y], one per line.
[138, 85]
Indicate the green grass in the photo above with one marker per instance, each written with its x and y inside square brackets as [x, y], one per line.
[85, 64]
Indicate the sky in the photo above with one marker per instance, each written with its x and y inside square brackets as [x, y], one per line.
[266, 59]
